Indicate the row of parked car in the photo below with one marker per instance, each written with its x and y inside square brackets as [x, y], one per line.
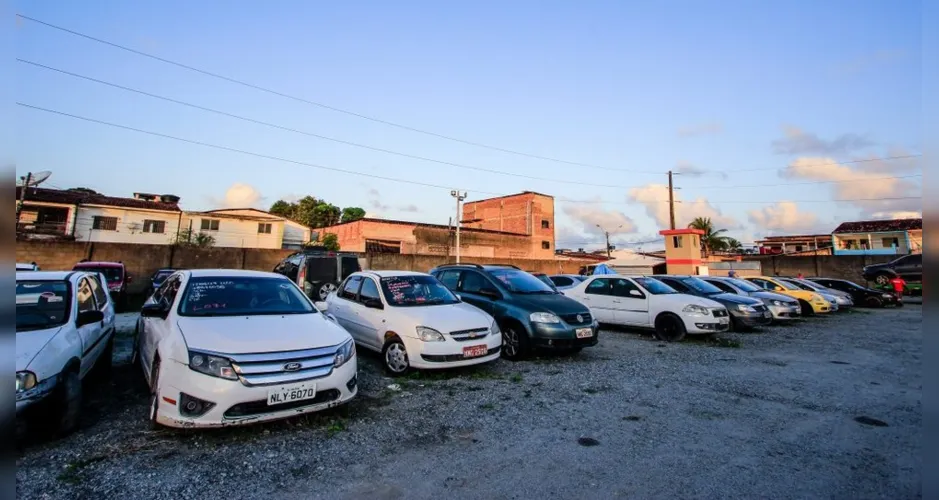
[226, 347]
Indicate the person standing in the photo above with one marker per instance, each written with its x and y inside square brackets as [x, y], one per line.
[898, 285]
[801, 276]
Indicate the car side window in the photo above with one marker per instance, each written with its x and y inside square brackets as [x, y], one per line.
[623, 287]
[766, 285]
[85, 296]
[351, 288]
[101, 295]
[600, 286]
[169, 295]
[450, 279]
[561, 281]
[677, 285]
[369, 290]
[473, 282]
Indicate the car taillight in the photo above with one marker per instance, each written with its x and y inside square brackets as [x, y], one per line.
[301, 278]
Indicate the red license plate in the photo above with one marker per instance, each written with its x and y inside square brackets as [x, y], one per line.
[474, 351]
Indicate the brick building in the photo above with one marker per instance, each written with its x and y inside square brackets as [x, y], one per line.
[528, 213]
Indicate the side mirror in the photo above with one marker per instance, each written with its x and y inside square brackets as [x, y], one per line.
[635, 293]
[321, 306]
[89, 317]
[492, 293]
[779, 289]
[374, 304]
[153, 311]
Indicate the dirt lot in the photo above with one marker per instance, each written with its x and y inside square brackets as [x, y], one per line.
[829, 408]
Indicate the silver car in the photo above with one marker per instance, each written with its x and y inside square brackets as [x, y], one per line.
[837, 298]
[784, 308]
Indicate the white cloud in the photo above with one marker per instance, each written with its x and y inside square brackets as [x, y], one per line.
[655, 199]
[701, 129]
[873, 189]
[240, 196]
[897, 215]
[869, 61]
[799, 142]
[783, 217]
[585, 232]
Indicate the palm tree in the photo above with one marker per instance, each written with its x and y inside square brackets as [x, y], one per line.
[734, 245]
[712, 239]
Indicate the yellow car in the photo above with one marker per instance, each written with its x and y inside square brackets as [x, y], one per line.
[811, 302]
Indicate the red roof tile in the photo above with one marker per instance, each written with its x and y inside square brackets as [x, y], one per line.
[878, 226]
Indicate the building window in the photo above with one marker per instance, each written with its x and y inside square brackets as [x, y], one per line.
[545, 224]
[546, 245]
[676, 241]
[210, 224]
[798, 248]
[101, 223]
[154, 226]
[891, 242]
[264, 228]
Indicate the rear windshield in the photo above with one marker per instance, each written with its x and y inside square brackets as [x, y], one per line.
[243, 296]
[113, 274]
[404, 291]
[746, 286]
[700, 286]
[41, 304]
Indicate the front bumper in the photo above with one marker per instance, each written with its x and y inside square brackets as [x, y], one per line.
[748, 319]
[238, 404]
[785, 313]
[35, 395]
[449, 353]
[821, 307]
[563, 336]
[705, 324]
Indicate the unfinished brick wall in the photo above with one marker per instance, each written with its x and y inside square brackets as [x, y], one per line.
[530, 214]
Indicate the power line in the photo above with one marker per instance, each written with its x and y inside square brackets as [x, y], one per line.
[373, 176]
[325, 106]
[810, 182]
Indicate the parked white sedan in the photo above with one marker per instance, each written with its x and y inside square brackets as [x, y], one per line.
[414, 321]
[648, 303]
[223, 347]
[64, 329]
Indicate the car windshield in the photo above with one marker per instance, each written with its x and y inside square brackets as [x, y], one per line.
[800, 285]
[655, 287]
[746, 286]
[700, 286]
[545, 279]
[113, 274]
[242, 296]
[41, 304]
[787, 286]
[410, 291]
[517, 281]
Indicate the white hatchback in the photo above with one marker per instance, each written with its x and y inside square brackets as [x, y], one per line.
[645, 302]
[223, 347]
[413, 320]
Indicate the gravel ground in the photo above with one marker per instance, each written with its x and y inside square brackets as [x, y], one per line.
[827, 408]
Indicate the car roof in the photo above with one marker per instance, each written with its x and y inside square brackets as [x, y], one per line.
[233, 273]
[44, 275]
[99, 264]
[388, 274]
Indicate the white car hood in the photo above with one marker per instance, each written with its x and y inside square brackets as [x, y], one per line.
[680, 300]
[446, 318]
[255, 334]
[29, 343]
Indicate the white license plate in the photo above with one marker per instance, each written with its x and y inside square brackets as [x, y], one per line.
[583, 333]
[475, 351]
[290, 393]
[723, 320]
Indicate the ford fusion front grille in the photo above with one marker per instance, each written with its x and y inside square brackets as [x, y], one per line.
[283, 367]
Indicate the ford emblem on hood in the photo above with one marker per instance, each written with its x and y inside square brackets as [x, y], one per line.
[292, 367]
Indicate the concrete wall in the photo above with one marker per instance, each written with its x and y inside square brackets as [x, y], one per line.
[424, 263]
[829, 266]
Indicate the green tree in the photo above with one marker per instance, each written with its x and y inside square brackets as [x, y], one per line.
[330, 241]
[282, 208]
[734, 245]
[712, 239]
[350, 214]
[192, 238]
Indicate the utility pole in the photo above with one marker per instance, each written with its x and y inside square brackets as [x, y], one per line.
[459, 199]
[671, 202]
[606, 233]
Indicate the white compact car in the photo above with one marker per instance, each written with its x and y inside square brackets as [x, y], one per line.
[64, 328]
[414, 321]
[223, 347]
[648, 303]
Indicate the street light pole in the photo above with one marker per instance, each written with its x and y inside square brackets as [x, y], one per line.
[459, 199]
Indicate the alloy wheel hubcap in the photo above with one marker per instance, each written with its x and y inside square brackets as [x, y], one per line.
[510, 341]
[326, 289]
[396, 358]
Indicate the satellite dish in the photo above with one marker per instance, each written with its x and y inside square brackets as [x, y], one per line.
[35, 179]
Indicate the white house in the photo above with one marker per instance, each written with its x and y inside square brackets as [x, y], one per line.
[248, 228]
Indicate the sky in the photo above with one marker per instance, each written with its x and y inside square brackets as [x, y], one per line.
[768, 112]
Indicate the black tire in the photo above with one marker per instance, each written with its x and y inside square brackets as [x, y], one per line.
[669, 328]
[806, 308]
[323, 291]
[394, 357]
[154, 394]
[874, 302]
[65, 413]
[515, 345]
[882, 279]
[732, 326]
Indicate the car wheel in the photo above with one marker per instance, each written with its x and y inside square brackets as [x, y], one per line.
[395, 357]
[514, 343]
[806, 308]
[882, 279]
[669, 328]
[69, 402]
[154, 394]
[326, 289]
[874, 302]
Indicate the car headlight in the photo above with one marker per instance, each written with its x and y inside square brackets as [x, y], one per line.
[429, 334]
[542, 317]
[696, 309]
[345, 353]
[745, 308]
[214, 366]
[777, 303]
[887, 296]
[494, 328]
[25, 381]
